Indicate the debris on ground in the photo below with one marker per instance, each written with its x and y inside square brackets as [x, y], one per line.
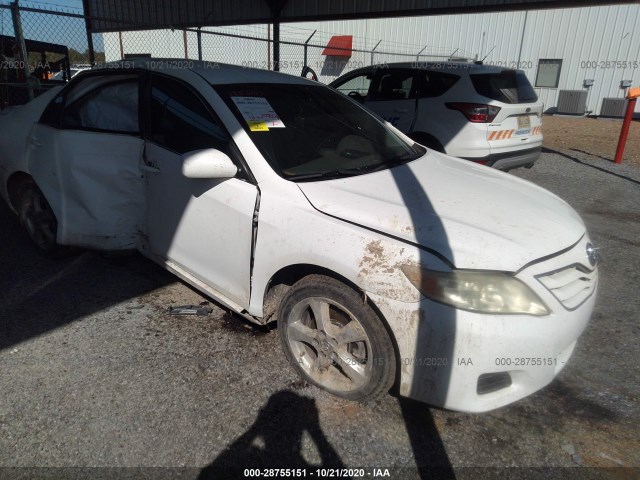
[199, 310]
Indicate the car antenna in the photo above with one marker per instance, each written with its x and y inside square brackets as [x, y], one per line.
[485, 57]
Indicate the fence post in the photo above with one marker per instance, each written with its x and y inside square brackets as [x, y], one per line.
[306, 45]
[186, 48]
[418, 55]
[374, 49]
[17, 28]
[632, 97]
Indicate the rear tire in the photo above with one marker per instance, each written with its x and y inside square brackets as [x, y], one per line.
[38, 219]
[335, 340]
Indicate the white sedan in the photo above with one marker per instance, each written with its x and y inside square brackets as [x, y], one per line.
[384, 263]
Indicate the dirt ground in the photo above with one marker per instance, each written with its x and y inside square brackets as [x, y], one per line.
[592, 136]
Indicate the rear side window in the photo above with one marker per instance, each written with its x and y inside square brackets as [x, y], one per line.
[508, 86]
[434, 84]
[110, 108]
[396, 84]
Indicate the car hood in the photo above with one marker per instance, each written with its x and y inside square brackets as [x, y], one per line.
[475, 216]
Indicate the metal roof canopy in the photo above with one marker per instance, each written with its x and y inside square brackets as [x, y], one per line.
[126, 15]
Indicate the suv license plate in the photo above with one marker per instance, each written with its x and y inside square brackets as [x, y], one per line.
[524, 122]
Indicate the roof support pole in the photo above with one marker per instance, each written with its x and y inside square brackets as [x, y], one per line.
[276, 7]
[88, 28]
[17, 28]
[276, 44]
[199, 34]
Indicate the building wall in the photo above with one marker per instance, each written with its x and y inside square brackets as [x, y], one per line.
[598, 43]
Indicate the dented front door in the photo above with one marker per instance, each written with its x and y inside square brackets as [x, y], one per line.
[204, 227]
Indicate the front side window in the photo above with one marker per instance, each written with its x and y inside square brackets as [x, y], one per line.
[548, 73]
[309, 132]
[180, 121]
[110, 107]
[357, 86]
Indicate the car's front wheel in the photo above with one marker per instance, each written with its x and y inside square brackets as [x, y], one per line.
[37, 218]
[335, 340]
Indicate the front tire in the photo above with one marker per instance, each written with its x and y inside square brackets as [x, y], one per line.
[335, 340]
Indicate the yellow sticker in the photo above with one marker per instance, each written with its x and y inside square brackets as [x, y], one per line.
[257, 126]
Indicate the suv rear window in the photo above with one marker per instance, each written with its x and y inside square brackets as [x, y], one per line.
[508, 86]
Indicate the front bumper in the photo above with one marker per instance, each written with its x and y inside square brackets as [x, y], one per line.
[474, 362]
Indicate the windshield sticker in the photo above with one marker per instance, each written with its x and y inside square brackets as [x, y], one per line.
[258, 113]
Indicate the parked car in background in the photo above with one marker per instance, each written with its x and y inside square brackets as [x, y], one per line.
[490, 115]
[382, 262]
[13, 82]
[73, 71]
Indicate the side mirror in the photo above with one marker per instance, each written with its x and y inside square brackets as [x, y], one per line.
[209, 163]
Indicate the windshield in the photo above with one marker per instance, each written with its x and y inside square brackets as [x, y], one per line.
[310, 132]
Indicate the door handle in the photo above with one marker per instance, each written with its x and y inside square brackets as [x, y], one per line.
[401, 110]
[149, 168]
[35, 142]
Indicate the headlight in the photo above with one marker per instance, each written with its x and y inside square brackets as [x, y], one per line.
[485, 292]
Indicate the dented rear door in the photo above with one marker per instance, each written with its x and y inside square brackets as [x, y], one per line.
[87, 163]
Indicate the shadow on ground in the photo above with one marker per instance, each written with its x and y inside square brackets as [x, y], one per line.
[39, 294]
[576, 160]
[275, 440]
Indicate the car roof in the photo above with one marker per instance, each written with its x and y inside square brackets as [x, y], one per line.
[213, 72]
[450, 66]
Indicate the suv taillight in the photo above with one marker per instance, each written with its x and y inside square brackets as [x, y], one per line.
[476, 112]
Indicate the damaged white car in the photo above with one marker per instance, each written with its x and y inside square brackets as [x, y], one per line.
[384, 263]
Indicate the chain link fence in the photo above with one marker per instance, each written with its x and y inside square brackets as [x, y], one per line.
[56, 43]
[58, 47]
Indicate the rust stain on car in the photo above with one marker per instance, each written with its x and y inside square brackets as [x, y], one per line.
[374, 259]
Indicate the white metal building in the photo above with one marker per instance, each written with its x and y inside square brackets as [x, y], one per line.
[595, 50]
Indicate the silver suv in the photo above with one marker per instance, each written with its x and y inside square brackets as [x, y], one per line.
[490, 115]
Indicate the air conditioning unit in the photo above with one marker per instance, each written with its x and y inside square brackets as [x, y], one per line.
[613, 107]
[572, 102]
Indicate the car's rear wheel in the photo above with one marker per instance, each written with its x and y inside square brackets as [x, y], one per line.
[37, 218]
[335, 340]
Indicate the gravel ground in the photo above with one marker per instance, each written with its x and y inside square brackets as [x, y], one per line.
[593, 136]
[94, 374]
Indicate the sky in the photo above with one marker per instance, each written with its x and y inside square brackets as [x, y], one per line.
[67, 31]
